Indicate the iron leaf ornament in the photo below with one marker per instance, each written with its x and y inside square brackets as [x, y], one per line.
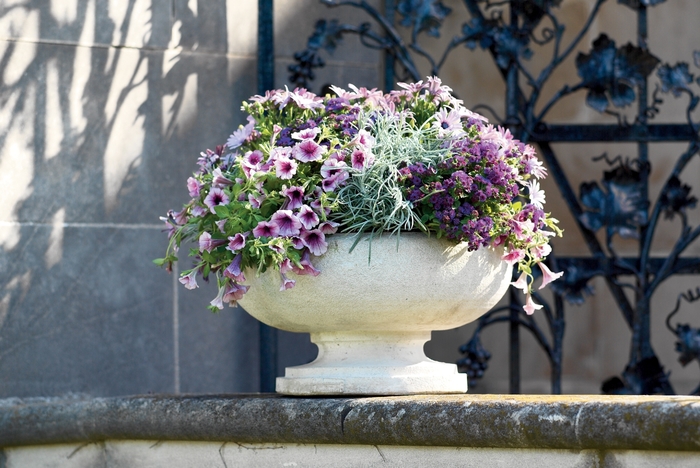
[610, 74]
[534, 10]
[675, 198]
[327, 35]
[621, 207]
[688, 344]
[423, 15]
[573, 286]
[507, 42]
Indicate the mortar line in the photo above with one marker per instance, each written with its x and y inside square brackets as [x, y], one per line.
[83, 225]
[146, 48]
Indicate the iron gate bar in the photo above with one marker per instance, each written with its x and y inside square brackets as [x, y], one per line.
[266, 81]
[684, 265]
[613, 133]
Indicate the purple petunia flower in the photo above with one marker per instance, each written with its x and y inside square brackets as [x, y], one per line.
[315, 240]
[287, 223]
[308, 150]
[190, 280]
[307, 217]
[328, 227]
[237, 242]
[219, 179]
[206, 242]
[285, 167]
[234, 292]
[307, 267]
[266, 229]
[286, 283]
[306, 134]
[256, 200]
[295, 196]
[361, 159]
[216, 197]
[198, 211]
[234, 271]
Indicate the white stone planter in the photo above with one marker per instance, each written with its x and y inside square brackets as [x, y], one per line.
[370, 320]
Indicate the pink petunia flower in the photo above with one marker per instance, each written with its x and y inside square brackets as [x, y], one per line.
[514, 256]
[297, 243]
[286, 266]
[308, 150]
[530, 305]
[331, 183]
[193, 186]
[363, 138]
[547, 275]
[307, 134]
[285, 167]
[287, 223]
[333, 167]
[198, 211]
[218, 301]
[216, 197]
[521, 283]
[361, 159]
[541, 251]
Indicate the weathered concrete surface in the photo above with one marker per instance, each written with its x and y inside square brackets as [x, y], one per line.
[497, 421]
[152, 454]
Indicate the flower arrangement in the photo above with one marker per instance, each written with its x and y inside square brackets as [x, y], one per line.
[305, 167]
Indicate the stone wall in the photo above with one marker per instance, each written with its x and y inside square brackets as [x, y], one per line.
[423, 430]
[104, 108]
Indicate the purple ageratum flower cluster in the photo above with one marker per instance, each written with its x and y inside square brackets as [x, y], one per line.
[266, 199]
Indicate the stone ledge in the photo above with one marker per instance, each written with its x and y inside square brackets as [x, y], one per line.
[497, 421]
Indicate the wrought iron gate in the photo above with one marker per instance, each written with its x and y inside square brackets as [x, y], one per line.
[613, 76]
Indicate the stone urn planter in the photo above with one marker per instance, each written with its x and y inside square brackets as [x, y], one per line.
[370, 319]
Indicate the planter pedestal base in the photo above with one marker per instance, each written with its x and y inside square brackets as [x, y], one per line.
[371, 363]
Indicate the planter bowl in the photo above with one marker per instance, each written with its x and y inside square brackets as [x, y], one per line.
[370, 317]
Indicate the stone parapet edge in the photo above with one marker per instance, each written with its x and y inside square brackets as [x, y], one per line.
[498, 421]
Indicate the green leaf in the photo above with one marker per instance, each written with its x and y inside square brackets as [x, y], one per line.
[222, 211]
